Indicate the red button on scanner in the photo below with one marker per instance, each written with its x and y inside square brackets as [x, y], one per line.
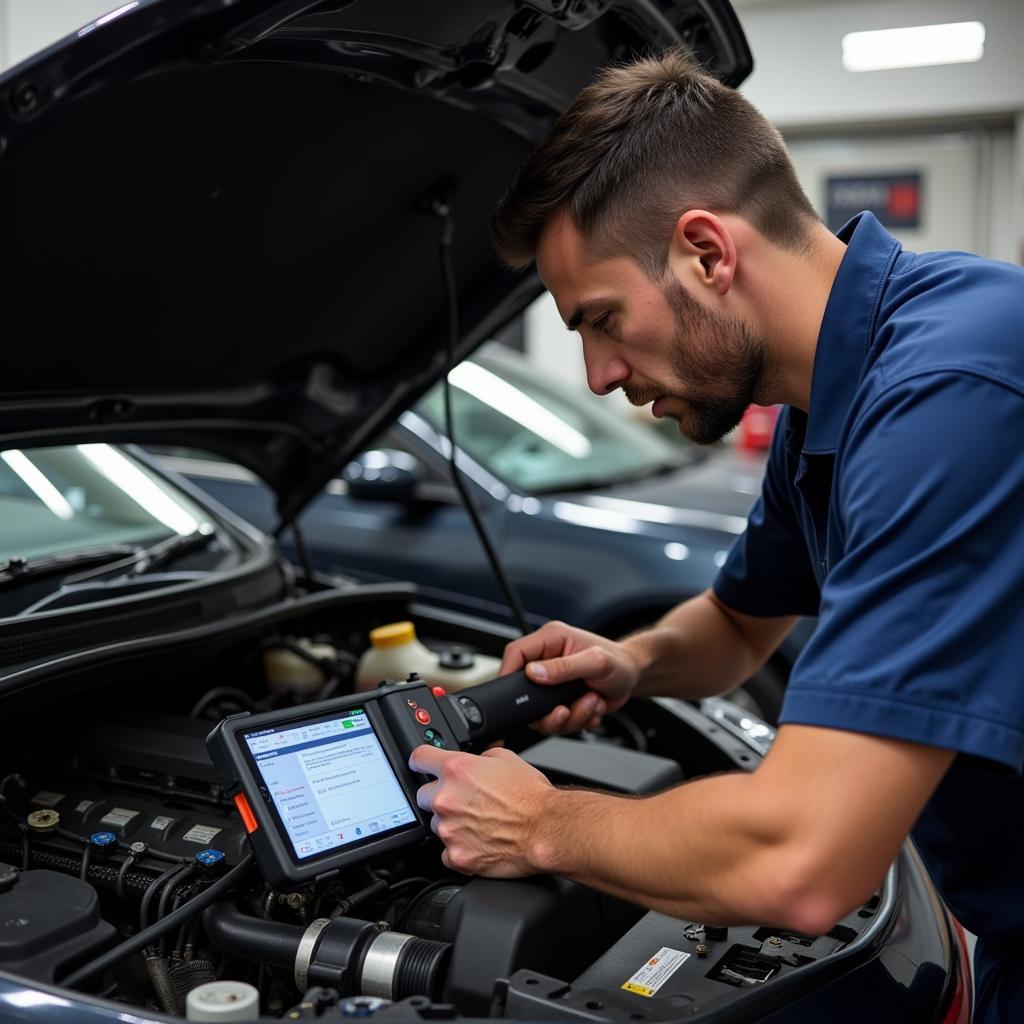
[423, 716]
[438, 691]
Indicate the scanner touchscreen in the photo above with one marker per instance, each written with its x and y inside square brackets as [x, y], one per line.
[330, 781]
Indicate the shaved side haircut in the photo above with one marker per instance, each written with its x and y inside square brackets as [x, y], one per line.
[640, 146]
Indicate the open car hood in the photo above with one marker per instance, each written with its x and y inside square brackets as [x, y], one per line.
[214, 222]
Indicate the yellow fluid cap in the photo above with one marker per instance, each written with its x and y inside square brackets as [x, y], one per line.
[394, 634]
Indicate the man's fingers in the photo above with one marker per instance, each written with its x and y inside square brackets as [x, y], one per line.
[592, 663]
[551, 724]
[547, 642]
[430, 760]
[425, 796]
[584, 714]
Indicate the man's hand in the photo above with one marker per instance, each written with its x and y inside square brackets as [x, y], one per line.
[556, 653]
[484, 808]
[799, 842]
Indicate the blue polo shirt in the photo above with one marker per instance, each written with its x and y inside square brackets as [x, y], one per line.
[894, 511]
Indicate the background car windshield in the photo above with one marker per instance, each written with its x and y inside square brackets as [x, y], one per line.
[64, 499]
[539, 438]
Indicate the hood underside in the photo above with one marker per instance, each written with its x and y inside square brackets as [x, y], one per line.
[216, 224]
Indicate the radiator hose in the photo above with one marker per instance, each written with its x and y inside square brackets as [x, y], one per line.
[356, 957]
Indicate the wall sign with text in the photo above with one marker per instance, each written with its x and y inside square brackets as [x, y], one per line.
[895, 199]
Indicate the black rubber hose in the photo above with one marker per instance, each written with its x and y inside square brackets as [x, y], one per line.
[346, 904]
[122, 873]
[152, 889]
[83, 872]
[183, 875]
[273, 943]
[217, 891]
[165, 897]
[421, 969]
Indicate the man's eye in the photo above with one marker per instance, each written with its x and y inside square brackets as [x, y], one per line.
[602, 323]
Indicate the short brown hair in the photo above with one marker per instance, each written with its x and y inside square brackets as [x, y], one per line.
[639, 146]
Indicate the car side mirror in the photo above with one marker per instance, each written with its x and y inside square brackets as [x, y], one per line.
[383, 474]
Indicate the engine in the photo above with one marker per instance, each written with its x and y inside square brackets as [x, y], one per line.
[130, 822]
[129, 868]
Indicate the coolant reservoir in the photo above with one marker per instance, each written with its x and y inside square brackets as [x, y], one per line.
[459, 667]
[288, 671]
[395, 653]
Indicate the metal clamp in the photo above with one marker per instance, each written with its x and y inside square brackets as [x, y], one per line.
[307, 947]
[381, 963]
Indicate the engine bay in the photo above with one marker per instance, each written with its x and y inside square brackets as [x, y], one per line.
[114, 821]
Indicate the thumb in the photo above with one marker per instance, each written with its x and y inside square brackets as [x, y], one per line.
[592, 663]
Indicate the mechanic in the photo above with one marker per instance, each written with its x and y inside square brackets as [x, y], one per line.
[666, 219]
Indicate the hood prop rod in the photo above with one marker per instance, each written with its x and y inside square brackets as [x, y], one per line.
[440, 206]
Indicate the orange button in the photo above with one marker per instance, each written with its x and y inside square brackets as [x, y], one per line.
[423, 716]
[248, 818]
[438, 691]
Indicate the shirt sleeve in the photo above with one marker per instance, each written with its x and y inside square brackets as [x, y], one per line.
[921, 630]
[768, 570]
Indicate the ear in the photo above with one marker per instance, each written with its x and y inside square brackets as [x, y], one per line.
[703, 251]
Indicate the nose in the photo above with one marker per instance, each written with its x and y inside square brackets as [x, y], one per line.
[605, 370]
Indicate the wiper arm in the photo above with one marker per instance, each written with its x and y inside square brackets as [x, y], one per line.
[15, 570]
[142, 560]
[105, 559]
[173, 547]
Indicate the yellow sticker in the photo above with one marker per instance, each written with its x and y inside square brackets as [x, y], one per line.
[640, 990]
[658, 969]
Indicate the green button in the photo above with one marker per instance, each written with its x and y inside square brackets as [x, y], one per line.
[430, 734]
[438, 742]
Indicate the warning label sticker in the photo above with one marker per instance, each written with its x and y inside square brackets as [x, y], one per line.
[118, 816]
[656, 971]
[200, 834]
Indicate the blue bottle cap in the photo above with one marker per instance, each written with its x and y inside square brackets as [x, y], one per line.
[102, 839]
[209, 857]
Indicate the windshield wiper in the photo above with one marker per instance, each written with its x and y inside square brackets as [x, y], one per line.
[105, 559]
[143, 560]
[17, 569]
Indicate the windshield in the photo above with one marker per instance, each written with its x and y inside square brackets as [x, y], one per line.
[539, 438]
[65, 499]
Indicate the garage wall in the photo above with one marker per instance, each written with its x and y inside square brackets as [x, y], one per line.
[797, 43]
[965, 182]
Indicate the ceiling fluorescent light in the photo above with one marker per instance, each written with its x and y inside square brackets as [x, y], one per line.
[492, 390]
[958, 43]
[38, 483]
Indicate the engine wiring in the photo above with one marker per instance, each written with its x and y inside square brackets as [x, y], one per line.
[147, 936]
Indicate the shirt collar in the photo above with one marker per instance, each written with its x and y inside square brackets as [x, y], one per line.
[847, 329]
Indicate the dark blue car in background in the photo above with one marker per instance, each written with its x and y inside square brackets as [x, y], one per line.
[598, 520]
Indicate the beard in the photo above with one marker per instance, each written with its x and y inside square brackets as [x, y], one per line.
[720, 364]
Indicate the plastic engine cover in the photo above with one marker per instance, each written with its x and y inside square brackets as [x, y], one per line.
[48, 923]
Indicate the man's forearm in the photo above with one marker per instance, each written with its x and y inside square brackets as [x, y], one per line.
[707, 851]
[700, 649]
